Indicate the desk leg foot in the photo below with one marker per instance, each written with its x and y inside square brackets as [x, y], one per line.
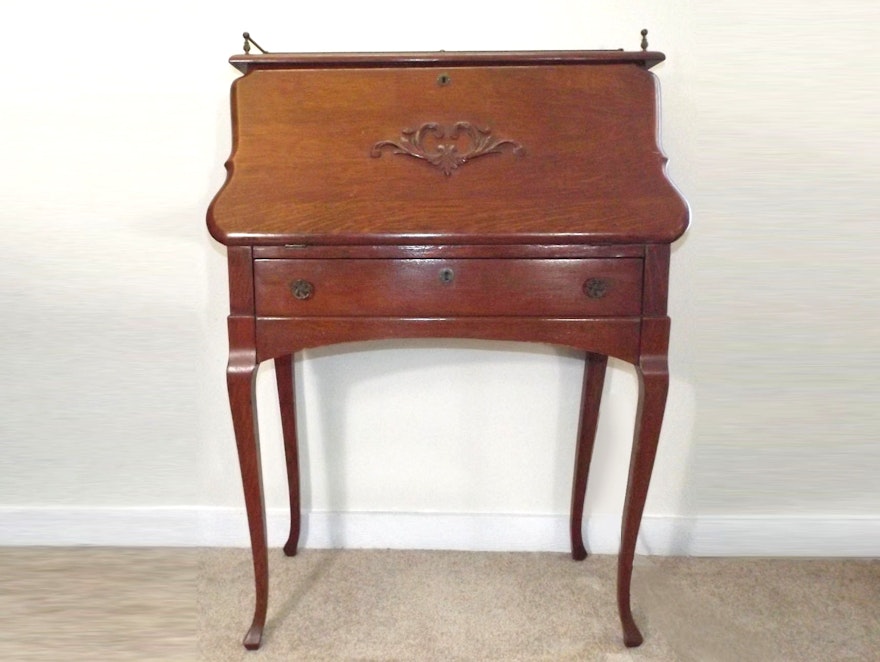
[284, 379]
[591, 398]
[653, 386]
[632, 638]
[254, 637]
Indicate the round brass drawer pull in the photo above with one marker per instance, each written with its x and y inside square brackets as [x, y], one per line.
[302, 289]
[596, 288]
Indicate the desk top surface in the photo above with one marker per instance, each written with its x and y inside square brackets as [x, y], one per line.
[451, 148]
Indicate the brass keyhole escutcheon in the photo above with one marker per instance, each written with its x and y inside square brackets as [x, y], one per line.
[302, 289]
[596, 288]
[447, 275]
[444, 79]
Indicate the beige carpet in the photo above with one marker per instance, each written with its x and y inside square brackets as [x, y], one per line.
[173, 604]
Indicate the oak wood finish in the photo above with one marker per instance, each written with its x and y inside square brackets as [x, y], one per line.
[591, 171]
[449, 287]
[287, 404]
[244, 63]
[591, 398]
[427, 251]
[497, 196]
[618, 337]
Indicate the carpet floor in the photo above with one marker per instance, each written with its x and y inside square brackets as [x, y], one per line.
[94, 604]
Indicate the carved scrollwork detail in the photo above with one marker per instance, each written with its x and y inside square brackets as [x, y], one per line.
[437, 144]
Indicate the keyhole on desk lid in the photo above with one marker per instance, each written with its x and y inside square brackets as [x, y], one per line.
[447, 275]
[444, 79]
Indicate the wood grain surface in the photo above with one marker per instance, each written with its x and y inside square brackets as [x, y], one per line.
[589, 169]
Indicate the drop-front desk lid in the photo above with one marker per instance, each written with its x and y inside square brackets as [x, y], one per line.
[452, 148]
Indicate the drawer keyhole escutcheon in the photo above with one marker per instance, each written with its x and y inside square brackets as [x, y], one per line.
[444, 79]
[302, 289]
[447, 275]
[596, 288]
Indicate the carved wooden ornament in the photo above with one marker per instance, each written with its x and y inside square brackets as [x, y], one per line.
[446, 155]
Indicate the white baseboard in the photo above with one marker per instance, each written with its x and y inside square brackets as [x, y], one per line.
[227, 527]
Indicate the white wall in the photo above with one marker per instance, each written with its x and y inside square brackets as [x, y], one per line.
[114, 126]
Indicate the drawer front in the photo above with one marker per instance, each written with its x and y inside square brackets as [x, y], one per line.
[448, 287]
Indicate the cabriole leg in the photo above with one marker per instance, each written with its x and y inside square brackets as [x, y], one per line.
[284, 377]
[653, 385]
[591, 398]
[240, 377]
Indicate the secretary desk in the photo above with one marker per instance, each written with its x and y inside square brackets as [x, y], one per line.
[516, 196]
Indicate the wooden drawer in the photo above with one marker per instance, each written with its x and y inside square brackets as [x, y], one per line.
[448, 287]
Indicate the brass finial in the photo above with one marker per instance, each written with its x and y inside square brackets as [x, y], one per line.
[248, 41]
[644, 40]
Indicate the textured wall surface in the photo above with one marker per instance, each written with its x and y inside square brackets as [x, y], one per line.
[114, 126]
